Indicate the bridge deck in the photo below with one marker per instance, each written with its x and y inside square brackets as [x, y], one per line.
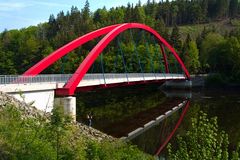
[13, 84]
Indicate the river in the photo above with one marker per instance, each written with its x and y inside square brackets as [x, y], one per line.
[118, 111]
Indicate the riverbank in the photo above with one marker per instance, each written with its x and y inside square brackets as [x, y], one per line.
[29, 111]
[212, 81]
[27, 133]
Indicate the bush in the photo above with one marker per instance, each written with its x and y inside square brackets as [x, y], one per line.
[203, 141]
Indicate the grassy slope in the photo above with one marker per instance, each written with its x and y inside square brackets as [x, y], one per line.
[222, 27]
[31, 136]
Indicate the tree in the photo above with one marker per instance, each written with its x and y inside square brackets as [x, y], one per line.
[174, 14]
[175, 38]
[165, 12]
[162, 29]
[128, 13]
[185, 47]
[7, 63]
[209, 43]
[116, 15]
[204, 6]
[212, 8]
[195, 13]
[100, 17]
[86, 19]
[221, 8]
[86, 11]
[225, 59]
[192, 57]
[52, 27]
[139, 14]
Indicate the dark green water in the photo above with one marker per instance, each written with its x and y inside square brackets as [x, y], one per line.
[119, 111]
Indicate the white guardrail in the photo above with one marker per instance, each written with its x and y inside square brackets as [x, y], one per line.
[63, 78]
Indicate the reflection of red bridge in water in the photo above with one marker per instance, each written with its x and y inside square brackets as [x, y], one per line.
[127, 125]
[145, 124]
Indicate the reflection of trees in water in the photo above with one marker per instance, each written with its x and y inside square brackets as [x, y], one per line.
[117, 104]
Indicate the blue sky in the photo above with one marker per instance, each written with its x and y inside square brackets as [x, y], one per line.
[16, 14]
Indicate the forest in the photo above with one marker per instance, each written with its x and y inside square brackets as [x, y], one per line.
[211, 51]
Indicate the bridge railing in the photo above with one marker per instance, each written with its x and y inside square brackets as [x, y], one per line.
[18, 79]
[63, 78]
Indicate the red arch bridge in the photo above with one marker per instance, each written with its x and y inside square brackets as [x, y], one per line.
[41, 88]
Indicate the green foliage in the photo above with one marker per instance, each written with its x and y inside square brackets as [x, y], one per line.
[209, 43]
[191, 56]
[203, 140]
[6, 63]
[176, 39]
[36, 138]
[117, 150]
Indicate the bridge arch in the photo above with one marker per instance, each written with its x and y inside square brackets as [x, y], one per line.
[110, 33]
[73, 82]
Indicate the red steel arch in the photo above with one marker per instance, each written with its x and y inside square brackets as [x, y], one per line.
[73, 82]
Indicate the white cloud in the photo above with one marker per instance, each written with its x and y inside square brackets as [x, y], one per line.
[49, 4]
[7, 6]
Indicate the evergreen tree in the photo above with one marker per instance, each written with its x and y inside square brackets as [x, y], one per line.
[176, 38]
[185, 48]
[222, 8]
[192, 58]
[128, 13]
[139, 14]
[204, 6]
[174, 14]
[7, 63]
[162, 29]
[86, 11]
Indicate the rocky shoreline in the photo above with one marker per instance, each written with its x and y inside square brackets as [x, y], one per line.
[29, 111]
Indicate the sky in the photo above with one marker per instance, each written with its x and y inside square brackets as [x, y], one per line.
[16, 14]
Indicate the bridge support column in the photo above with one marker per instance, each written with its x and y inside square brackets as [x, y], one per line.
[69, 104]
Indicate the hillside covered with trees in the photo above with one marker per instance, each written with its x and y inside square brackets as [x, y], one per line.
[211, 50]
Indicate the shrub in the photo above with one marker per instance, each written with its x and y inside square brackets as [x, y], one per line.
[203, 141]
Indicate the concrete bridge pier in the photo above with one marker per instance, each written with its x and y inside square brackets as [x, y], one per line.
[69, 104]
